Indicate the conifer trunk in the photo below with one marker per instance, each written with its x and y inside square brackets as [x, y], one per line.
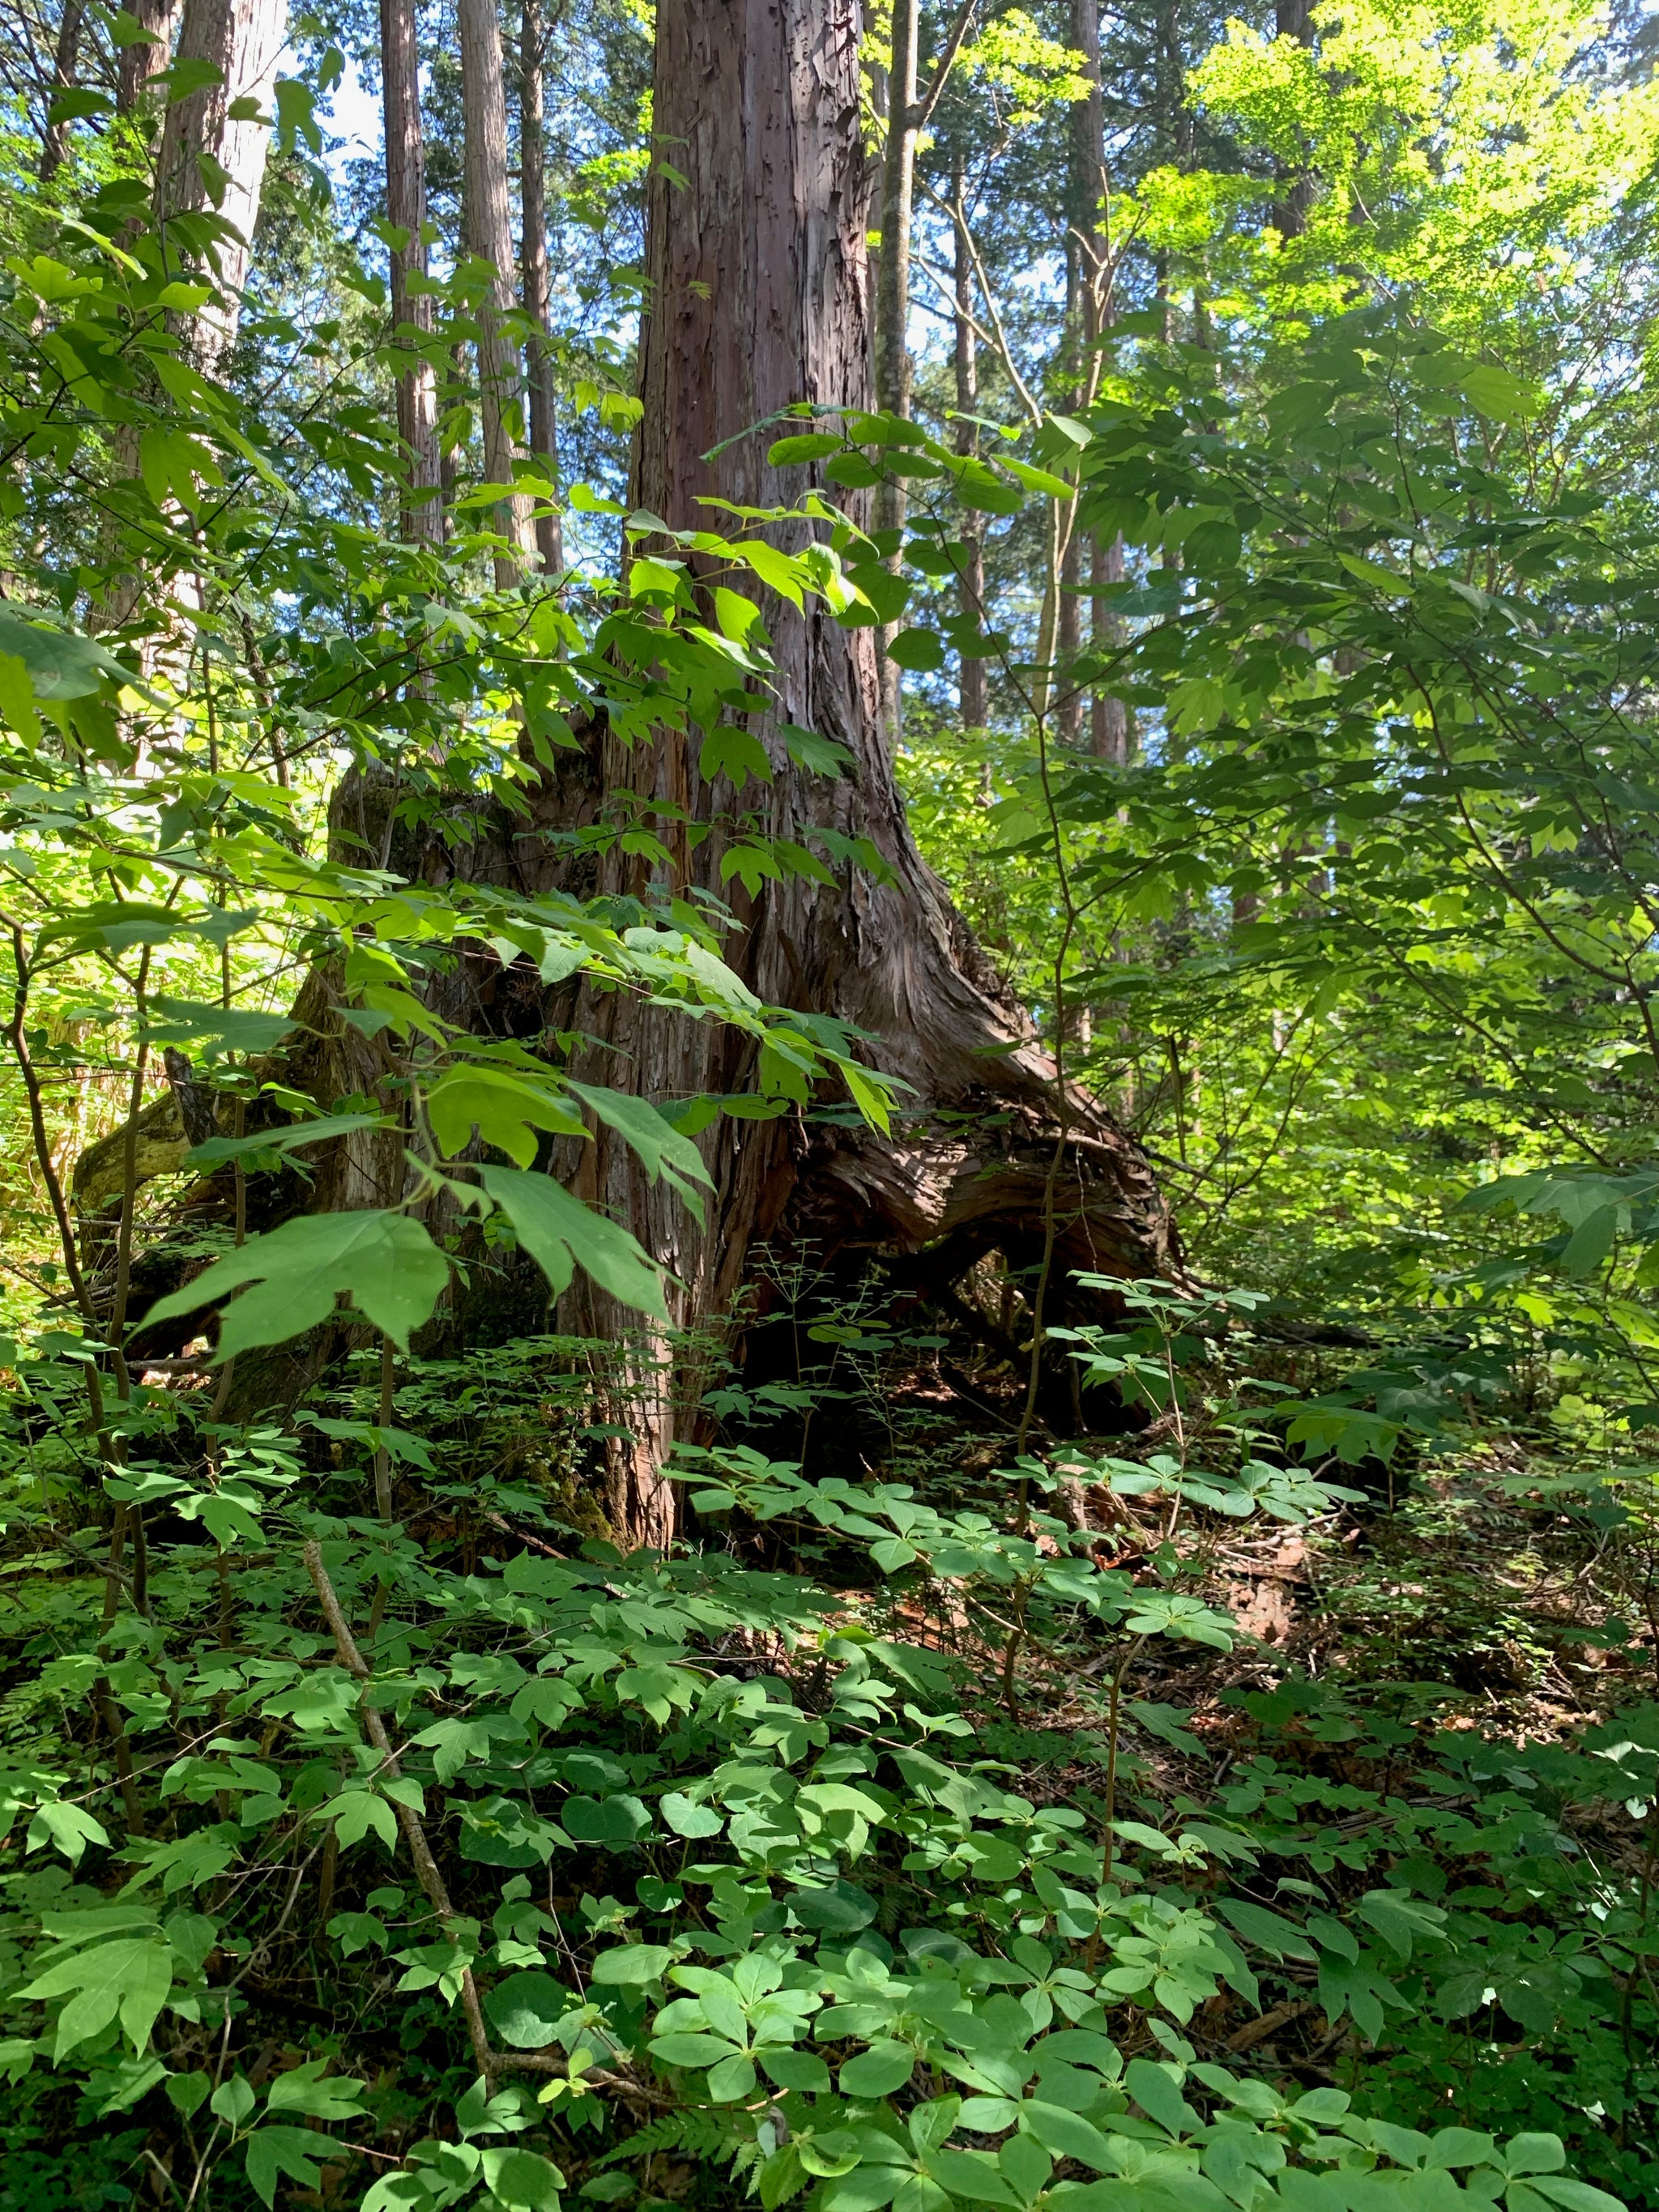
[411, 307]
[490, 238]
[54, 146]
[970, 675]
[532, 253]
[213, 160]
[143, 60]
[1109, 727]
[893, 334]
[758, 285]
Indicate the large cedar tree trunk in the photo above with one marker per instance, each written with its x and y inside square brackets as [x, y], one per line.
[757, 282]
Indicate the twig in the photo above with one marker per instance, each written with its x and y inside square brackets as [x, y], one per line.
[426, 1867]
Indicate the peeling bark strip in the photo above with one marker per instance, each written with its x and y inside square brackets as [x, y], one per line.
[758, 288]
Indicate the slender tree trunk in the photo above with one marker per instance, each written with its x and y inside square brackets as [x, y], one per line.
[1293, 19]
[1108, 718]
[970, 678]
[1068, 635]
[898, 176]
[210, 163]
[54, 147]
[145, 59]
[756, 281]
[490, 239]
[411, 309]
[212, 159]
[532, 165]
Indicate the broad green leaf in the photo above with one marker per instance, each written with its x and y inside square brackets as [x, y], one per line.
[819, 756]
[275, 2153]
[130, 1977]
[632, 1963]
[805, 445]
[505, 1110]
[522, 2180]
[359, 1812]
[917, 649]
[303, 2089]
[222, 1029]
[70, 1827]
[662, 1150]
[526, 2009]
[738, 754]
[390, 1267]
[560, 1234]
[1066, 2134]
[291, 1137]
[876, 2072]
[970, 2174]
[61, 663]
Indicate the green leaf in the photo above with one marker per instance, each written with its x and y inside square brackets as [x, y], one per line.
[738, 754]
[359, 1813]
[794, 2069]
[732, 2078]
[130, 1977]
[303, 2089]
[917, 649]
[1269, 1931]
[1590, 1243]
[687, 1818]
[525, 2009]
[1066, 2134]
[876, 2072]
[1159, 2096]
[819, 756]
[61, 663]
[70, 1828]
[233, 2101]
[1534, 2154]
[387, 1264]
[630, 1964]
[615, 1822]
[690, 2049]
[852, 472]
[522, 2180]
[79, 101]
[224, 1029]
[273, 2152]
[970, 2174]
[505, 1110]
[1576, 2195]
[662, 1150]
[560, 1234]
[1497, 393]
[17, 699]
[293, 1137]
[807, 445]
[1034, 479]
[126, 30]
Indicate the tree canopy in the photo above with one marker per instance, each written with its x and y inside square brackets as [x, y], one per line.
[830, 950]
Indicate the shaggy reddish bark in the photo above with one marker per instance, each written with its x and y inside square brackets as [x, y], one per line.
[758, 284]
